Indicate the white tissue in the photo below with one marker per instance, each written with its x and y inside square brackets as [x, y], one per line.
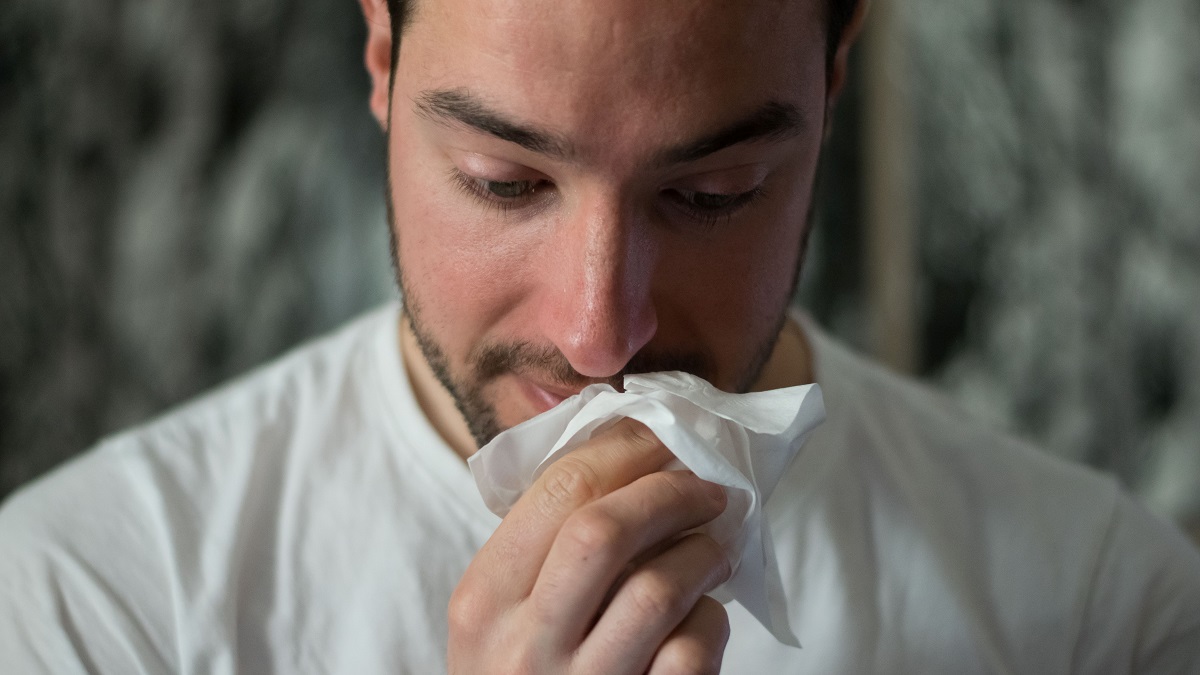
[741, 441]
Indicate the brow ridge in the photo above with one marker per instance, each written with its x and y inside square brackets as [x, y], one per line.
[773, 121]
[461, 107]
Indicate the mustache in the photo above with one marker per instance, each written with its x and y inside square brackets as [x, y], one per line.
[492, 361]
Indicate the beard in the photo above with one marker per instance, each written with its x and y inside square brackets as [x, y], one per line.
[489, 361]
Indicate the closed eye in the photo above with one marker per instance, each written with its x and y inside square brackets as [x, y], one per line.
[713, 201]
[709, 207]
[505, 194]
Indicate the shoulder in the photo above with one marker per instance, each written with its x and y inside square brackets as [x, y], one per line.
[324, 375]
[222, 437]
[1142, 609]
[1026, 549]
[920, 440]
[98, 557]
[65, 598]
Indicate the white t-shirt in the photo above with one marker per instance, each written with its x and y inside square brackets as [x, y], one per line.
[308, 519]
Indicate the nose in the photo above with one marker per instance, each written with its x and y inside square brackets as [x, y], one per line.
[599, 310]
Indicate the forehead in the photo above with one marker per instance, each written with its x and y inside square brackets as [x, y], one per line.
[619, 68]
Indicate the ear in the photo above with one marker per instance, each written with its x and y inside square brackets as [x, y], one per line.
[841, 59]
[378, 57]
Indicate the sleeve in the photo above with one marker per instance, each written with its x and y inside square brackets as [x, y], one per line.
[1143, 612]
[81, 590]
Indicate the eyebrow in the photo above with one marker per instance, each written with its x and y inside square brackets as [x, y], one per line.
[458, 105]
[773, 121]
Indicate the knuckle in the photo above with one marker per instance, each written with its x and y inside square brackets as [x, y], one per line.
[590, 533]
[568, 484]
[656, 595]
[681, 485]
[522, 660]
[467, 612]
[688, 490]
[700, 650]
[692, 659]
[637, 435]
[718, 561]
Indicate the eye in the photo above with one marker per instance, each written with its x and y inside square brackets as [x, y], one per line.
[511, 189]
[501, 194]
[710, 208]
[708, 200]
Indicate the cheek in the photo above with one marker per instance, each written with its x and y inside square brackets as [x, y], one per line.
[766, 255]
[737, 284]
[755, 288]
[455, 267]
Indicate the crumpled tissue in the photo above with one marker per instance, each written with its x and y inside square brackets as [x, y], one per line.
[741, 441]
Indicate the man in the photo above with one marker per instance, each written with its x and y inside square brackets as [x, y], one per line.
[580, 190]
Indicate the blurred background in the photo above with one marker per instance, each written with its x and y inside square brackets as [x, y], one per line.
[1010, 210]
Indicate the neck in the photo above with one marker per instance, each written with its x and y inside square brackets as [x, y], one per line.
[435, 401]
[790, 363]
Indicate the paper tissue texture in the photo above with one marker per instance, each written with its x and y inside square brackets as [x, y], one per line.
[741, 441]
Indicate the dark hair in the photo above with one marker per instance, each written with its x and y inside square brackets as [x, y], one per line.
[840, 13]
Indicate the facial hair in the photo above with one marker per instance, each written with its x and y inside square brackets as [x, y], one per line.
[487, 362]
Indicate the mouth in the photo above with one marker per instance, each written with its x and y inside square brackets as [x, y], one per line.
[544, 395]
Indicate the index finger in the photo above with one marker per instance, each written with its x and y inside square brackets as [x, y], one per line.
[512, 558]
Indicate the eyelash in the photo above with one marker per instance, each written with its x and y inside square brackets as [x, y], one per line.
[711, 217]
[707, 217]
[472, 187]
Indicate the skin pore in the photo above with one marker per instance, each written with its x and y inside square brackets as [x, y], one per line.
[583, 202]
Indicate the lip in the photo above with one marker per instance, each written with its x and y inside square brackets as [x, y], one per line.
[544, 396]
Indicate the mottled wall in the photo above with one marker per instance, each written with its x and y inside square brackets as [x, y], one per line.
[187, 188]
[1059, 201]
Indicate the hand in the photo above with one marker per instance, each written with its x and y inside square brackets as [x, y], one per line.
[587, 573]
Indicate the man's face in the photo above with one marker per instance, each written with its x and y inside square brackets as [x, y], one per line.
[582, 189]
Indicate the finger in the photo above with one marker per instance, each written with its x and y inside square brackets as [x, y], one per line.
[697, 646]
[652, 602]
[509, 562]
[597, 542]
